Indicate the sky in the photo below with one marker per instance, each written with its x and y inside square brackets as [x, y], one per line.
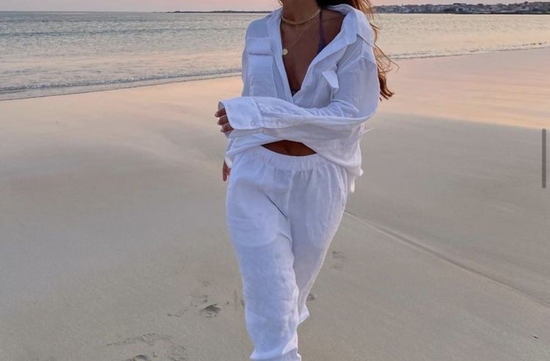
[172, 5]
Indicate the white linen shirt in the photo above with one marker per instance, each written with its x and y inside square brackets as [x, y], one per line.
[339, 93]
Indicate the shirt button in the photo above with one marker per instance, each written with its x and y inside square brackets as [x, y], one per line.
[253, 123]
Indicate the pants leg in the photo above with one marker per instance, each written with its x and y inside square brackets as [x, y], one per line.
[282, 212]
[258, 228]
[316, 208]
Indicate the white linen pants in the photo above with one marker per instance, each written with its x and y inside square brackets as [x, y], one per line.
[282, 213]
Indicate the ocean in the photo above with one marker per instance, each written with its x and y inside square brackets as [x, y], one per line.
[53, 53]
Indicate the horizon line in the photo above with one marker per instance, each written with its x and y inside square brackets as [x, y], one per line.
[230, 10]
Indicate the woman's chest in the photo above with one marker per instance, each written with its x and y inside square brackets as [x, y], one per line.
[296, 64]
[268, 73]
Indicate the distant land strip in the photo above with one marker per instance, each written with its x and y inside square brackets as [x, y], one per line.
[221, 11]
[538, 7]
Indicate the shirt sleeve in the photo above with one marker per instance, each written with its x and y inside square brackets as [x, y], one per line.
[245, 91]
[354, 102]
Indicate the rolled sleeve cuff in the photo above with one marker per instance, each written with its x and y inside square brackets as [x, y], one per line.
[242, 113]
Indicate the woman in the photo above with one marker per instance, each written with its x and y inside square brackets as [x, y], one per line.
[312, 77]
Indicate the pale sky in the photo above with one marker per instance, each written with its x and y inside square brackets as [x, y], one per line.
[171, 5]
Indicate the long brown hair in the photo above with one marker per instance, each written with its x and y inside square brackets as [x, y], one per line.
[382, 60]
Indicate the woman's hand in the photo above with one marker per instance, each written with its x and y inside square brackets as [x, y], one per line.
[225, 171]
[223, 121]
[225, 127]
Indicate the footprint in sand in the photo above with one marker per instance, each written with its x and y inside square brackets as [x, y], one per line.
[338, 260]
[139, 358]
[199, 300]
[210, 311]
[177, 314]
[156, 344]
[196, 301]
[237, 300]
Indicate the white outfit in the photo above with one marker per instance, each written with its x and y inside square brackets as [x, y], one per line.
[282, 211]
[340, 92]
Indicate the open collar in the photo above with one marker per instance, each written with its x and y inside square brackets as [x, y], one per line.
[354, 23]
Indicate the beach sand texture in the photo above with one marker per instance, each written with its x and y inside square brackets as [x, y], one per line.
[113, 242]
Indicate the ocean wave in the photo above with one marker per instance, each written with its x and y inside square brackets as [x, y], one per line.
[55, 88]
[111, 32]
[63, 88]
[422, 55]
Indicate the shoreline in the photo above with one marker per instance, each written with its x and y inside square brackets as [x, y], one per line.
[231, 75]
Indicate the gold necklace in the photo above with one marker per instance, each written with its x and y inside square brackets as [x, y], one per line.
[298, 22]
[285, 49]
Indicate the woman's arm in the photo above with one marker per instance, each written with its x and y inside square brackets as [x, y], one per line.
[355, 101]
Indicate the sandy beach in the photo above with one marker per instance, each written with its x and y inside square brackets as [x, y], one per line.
[113, 242]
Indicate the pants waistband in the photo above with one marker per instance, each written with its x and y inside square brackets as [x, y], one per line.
[284, 161]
